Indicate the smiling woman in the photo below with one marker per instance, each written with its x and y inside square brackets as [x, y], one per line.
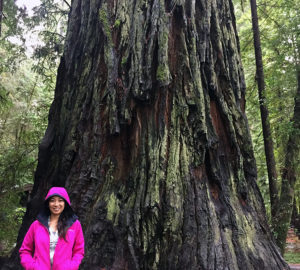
[55, 240]
[56, 206]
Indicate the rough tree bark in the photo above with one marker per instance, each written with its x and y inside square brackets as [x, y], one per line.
[148, 133]
[289, 175]
[264, 112]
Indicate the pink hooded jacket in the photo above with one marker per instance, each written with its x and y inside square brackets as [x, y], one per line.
[35, 249]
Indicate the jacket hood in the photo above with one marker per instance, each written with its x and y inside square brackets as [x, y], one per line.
[44, 213]
[58, 191]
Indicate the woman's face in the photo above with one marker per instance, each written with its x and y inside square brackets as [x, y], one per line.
[56, 205]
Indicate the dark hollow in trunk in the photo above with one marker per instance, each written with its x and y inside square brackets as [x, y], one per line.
[147, 132]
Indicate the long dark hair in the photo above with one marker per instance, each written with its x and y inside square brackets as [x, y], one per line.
[62, 224]
[65, 216]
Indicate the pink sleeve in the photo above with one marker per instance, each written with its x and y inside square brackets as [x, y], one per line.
[27, 249]
[78, 248]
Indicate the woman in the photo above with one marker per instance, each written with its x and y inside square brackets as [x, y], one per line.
[55, 240]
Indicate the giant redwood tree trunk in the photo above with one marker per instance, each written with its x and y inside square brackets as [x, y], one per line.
[147, 132]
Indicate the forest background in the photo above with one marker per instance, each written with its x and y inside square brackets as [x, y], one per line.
[27, 81]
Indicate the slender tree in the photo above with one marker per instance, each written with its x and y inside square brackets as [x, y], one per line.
[1, 15]
[147, 132]
[281, 47]
[295, 219]
[264, 112]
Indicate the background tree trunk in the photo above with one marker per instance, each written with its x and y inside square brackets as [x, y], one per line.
[295, 220]
[264, 112]
[1, 15]
[147, 132]
[289, 176]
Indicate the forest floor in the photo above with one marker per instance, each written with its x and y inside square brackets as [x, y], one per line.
[292, 251]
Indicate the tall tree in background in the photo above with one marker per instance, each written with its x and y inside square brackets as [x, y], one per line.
[289, 35]
[280, 45]
[148, 133]
[290, 170]
[18, 125]
[289, 175]
[1, 15]
[264, 112]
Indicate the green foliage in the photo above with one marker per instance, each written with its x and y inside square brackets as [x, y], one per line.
[279, 26]
[292, 257]
[50, 21]
[11, 218]
[22, 126]
[10, 54]
[26, 91]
